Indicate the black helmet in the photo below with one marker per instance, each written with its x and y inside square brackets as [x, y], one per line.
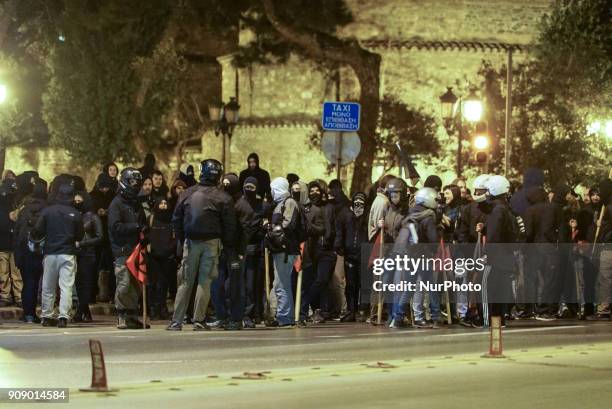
[130, 182]
[210, 172]
[397, 185]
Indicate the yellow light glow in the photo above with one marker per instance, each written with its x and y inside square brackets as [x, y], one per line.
[472, 110]
[608, 128]
[3, 93]
[481, 142]
[594, 127]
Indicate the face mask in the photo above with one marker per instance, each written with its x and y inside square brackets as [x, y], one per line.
[395, 197]
[78, 205]
[250, 194]
[358, 211]
[296, 195]
[314, 197]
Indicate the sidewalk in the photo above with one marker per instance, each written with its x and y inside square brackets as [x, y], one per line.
[15, 313]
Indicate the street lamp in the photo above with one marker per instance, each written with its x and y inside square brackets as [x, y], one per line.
[453, 113]
[3, 93]
[225, 118]
[481, 142]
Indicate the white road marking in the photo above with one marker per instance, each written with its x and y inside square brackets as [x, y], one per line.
[505, 331]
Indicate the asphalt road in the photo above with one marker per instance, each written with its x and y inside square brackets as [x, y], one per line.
[563, 364]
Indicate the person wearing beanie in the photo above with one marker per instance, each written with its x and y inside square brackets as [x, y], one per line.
[262, 176]
[61, 226]
[434, 182]
[292, 178]
[187, 174]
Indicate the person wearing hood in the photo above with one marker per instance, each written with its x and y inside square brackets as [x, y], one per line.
[379, 207]
[204, 220]
[61, 226]
[86, 277]
[149, 166]
[145, 197]
[30, 260]
[10, 276]
[178, 187]
[161, 262]
[102, 195]
[321, 251]
[187, 175]
[586, 226]
[283, 241]
[351, 234]
[159, 188]
[533, 177]
[262, 176]
[112, 171]
[341, 204]
[452, 212]
[226, 288]
[424, 220]
[251, 207]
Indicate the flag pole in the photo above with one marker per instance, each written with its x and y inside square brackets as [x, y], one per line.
[144, 304]
[380, 294]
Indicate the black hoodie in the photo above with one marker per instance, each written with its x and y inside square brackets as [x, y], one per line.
[546, 222]
[262, 176]
[61, 224]
[161, 234]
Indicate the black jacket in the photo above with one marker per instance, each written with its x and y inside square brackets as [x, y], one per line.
[205, 213]
[351, 234]
[126, 220]
[62, 226]
[544, 223]
[94, 233]
[393, 222]
[263, 180]
[425, 223]
[499, 223]
[28, 216]
[471, 214]
[162, 239]
[249, 225]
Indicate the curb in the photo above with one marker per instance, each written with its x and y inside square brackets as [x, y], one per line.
[15, 313]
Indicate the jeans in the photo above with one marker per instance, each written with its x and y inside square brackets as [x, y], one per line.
[58, 268]
[283, 266]
[353, 281]
[200, 263]
[434, 298]
[86, 280]
[31, 271]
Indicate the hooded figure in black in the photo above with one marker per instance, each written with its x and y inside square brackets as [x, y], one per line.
[87, 266]
[187, 174]
[149, 165]
[533, 177]
[322, 253]
[161, 262]
[351, 234]
[262, 176]
[112, 171]
[30, 261]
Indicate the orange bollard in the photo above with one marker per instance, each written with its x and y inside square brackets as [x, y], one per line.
[98, 369]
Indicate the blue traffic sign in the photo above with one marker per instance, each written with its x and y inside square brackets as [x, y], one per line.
[341, 116]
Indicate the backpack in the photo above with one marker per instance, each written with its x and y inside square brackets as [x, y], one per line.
[302, 228]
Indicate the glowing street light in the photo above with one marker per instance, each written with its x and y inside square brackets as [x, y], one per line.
[3, 93]
[472, 107]
[481, 142]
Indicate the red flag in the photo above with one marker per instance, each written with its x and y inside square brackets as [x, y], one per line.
[443, 252]
[136, 263]
[297, 265]
[375, 250]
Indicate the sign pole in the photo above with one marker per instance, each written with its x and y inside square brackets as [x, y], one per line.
[339, 156]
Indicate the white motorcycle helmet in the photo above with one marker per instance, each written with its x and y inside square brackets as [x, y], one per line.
[497, 185]
[480, 184]
[426, 196]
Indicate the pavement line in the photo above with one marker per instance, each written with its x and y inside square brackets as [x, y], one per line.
[506, 331]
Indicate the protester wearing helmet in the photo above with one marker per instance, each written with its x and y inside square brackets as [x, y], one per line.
[204, 219]
[397, 192]
[126, 220]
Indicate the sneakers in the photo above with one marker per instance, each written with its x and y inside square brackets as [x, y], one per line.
[464, 322]
[48, 322]
[248, 323]
[422, 324]
[271, 324]
[137, 324]
[598, 317]
[233, 326]
[200, 326]
[398, 323]
[216, 324]
[301, 324]
[348, 317]
[62, 323]
[31, 319]
[121, 323]
[545, 317]
[286, 326]
[87, 317]
[317, 317]
[174, 326]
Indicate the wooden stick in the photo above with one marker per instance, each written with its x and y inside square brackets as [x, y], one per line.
[267, 312]
[144, 305]
[380, 293]
[449, 318]
[601, 214]
[298, 296]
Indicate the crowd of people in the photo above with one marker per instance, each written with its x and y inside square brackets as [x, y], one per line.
[230, 250]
